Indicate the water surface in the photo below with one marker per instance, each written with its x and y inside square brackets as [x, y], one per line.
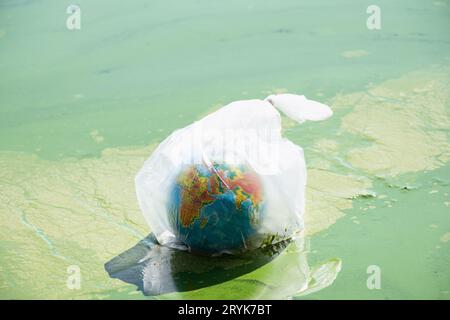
[81, 110]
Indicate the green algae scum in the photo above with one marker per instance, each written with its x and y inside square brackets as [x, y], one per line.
[88, 91]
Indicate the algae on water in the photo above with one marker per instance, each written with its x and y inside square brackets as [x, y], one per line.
[84, 212]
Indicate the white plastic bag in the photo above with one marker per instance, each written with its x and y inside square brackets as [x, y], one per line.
[229, 182]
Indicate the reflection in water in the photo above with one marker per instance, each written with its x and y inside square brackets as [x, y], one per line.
[275, 272]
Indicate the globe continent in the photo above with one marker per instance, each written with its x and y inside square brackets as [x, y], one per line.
[216, 209]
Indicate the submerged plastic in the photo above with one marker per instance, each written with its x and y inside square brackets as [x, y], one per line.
[229, 182]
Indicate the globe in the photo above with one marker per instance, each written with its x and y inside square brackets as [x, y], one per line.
[215, 209]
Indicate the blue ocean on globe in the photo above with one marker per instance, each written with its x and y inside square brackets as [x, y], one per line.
[216, 209]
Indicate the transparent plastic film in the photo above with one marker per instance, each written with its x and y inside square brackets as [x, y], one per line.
[229, 182]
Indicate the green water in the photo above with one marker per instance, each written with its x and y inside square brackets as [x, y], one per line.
[81, 110]
[403, 240]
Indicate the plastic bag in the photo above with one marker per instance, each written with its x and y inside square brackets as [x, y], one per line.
[229, 182]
